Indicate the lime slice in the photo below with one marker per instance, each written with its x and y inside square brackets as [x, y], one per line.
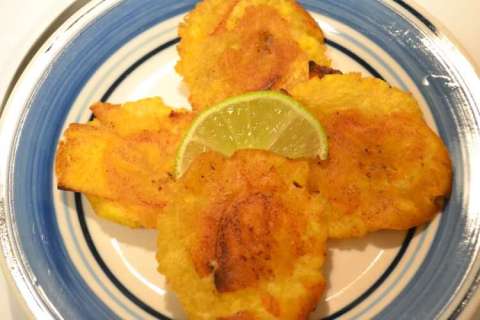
[265, 120]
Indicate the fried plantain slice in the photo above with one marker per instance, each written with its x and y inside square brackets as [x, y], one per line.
[386, 169]
[123, 159]
[244, 239]
[229, 47]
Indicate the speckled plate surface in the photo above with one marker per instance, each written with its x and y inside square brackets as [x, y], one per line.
[68, 263]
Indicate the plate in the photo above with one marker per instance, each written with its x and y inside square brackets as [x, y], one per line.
[68, 263]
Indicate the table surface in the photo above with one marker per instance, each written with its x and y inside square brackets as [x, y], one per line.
[30, 18]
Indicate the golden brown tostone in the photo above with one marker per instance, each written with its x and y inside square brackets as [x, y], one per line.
[229, 47]
[124, 159]
[244, 239]
[386, 168]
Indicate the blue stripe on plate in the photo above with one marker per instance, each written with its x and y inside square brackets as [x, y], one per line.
[40, 237]
[131, 313]
[117, 283]
[135, 65]
[454, 247]
[355, 57]
[418, 15]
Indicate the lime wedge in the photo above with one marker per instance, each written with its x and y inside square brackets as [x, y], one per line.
[265, 120]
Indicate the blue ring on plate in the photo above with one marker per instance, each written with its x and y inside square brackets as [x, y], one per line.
[418, 15]
[419, 62]
[106, 270]
[145, 306]
[32, 195]
[30, 181]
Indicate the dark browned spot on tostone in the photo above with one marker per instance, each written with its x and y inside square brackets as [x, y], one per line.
[316, 70]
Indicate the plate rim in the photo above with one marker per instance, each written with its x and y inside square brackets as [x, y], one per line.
[18, 276]
[469, 306]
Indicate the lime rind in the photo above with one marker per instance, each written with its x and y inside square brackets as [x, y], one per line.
[276, 131]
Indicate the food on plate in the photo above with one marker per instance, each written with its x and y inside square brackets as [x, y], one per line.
[243, 238]
[242, 233]
[265, 120]
[123, 159]
[229, 47]
[386, 168]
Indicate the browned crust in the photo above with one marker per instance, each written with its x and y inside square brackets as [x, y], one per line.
[242, 315]
[316, 70]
